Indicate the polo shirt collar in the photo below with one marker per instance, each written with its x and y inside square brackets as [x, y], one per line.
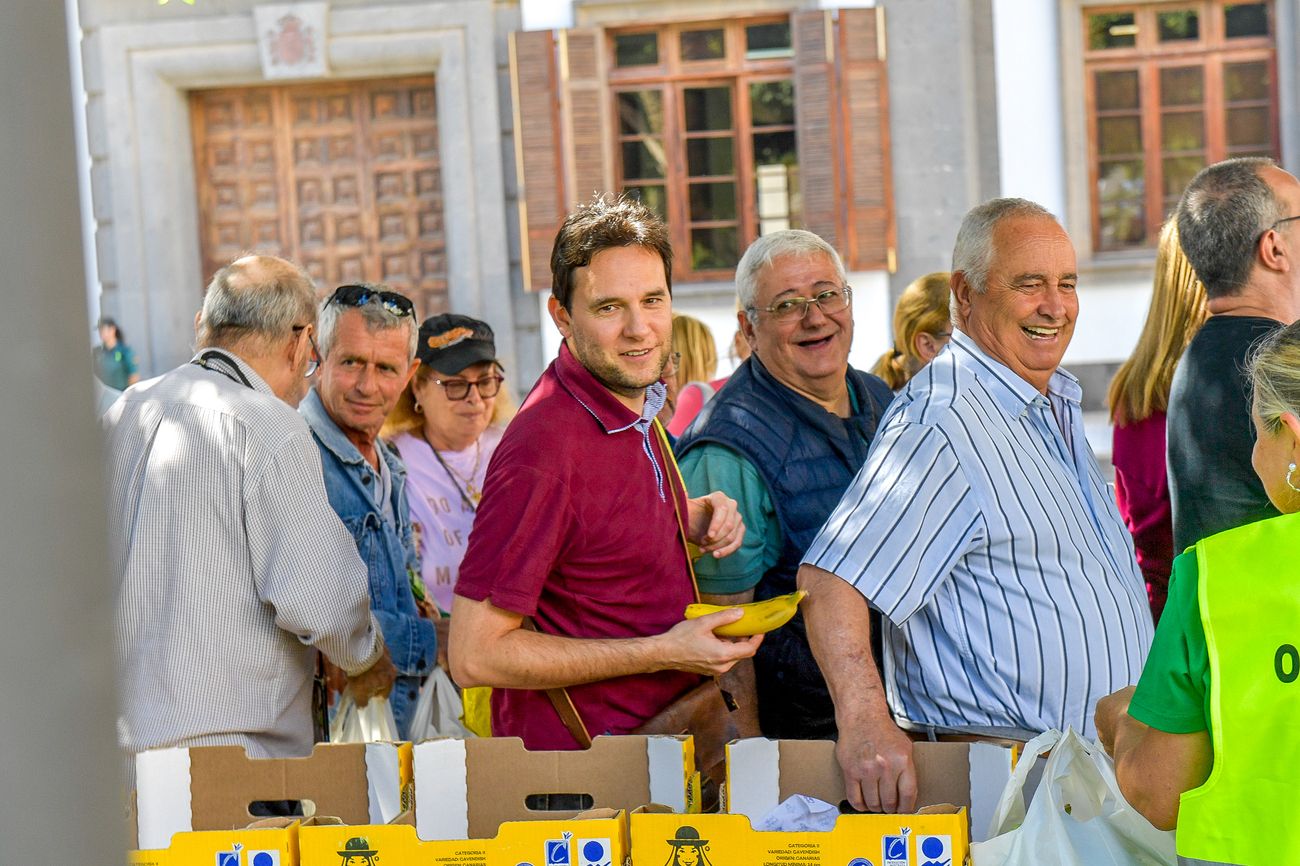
[608, 410]
[1013, 393]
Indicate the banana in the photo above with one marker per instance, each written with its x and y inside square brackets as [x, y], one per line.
[760, 616]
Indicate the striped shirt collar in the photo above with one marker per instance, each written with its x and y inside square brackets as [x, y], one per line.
[1012, 392]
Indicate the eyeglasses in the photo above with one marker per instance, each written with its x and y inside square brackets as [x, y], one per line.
[458, 389]
[674, 364]
[358, 296]
[1276, 224]
[830, 302]
[314, 364]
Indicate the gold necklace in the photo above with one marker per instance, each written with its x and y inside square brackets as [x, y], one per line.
[468, 490]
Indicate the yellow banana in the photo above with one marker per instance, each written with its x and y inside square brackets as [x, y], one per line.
[760, 616]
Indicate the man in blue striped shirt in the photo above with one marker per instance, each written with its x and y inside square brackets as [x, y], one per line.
[980, 526]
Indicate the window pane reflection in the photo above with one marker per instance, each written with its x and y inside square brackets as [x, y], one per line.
[707, 108]
[713, 248]
[772, 103]
[1245, 19]
[709, 156]
[636, 49]
[643, 159]
[1112, 30]
[764, 41]
[641, 112]
[703, 45]
[712, 201]
[1120, 192]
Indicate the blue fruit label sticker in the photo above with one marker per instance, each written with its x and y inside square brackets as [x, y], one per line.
[934, 850]
[557, 852]
[594, 852]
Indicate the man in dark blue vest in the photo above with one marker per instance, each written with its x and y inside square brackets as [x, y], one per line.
[784, 437]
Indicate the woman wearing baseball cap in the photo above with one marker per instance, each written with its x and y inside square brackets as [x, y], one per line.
[446, 425]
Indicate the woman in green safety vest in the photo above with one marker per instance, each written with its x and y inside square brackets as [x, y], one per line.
[1209, 739]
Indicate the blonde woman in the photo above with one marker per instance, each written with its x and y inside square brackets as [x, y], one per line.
[696, 358]
[446, 425]
[1138, 398]
[922, 327]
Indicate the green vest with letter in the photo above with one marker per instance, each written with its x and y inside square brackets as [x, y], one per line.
[1248, 810]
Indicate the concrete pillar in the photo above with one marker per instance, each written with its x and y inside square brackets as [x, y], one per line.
[943, 124]
[62, 801]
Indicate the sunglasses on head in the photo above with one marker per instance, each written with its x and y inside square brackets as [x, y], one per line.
[359, 296]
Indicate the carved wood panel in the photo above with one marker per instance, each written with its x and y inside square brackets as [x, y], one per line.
[343, 178]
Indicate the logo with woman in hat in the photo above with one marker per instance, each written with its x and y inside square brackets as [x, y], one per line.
[688, 848]
[357, 852]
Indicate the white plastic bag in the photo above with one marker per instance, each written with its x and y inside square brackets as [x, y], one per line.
[438, 710]
[1077, 817]
[372, 723]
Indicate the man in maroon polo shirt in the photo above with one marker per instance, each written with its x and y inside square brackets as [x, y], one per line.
[578, 524]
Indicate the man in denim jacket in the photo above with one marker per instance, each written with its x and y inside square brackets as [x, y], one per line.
[367, 346]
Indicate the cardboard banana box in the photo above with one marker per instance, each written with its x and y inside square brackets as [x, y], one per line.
[959, 783]
[490, 802]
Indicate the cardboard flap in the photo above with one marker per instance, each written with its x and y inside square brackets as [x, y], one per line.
[670, 765]
[990, 770]
[753, 777]
[383, 790]
[162, 797]
[441, 794]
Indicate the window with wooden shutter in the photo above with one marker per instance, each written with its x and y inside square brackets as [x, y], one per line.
[727, 129]
[1171, 88]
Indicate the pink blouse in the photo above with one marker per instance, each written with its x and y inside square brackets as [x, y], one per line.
[1142, 492]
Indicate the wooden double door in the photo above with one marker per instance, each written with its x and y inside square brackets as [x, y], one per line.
[343, 178]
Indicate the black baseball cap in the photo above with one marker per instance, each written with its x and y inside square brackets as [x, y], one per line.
[449, 343]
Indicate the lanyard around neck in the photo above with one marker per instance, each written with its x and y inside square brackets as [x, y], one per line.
[234, 374]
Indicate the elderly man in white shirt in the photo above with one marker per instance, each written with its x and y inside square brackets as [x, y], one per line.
[233, 568]
[981, 528]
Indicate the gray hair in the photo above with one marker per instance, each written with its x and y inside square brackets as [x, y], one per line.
[972, 253]
[1221, 215]
[261, 298]
[376, 316]
[767, 249]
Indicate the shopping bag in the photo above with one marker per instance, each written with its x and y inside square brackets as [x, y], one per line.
[1077, 816]
[372, 723]
[437, 712]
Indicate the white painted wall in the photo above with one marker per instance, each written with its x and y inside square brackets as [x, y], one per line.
[546, 14]
[1030, 121]
[1112, 312]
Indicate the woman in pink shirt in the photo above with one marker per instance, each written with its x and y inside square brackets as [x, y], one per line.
[1139, 396]
[446, 426]
[697, 365]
